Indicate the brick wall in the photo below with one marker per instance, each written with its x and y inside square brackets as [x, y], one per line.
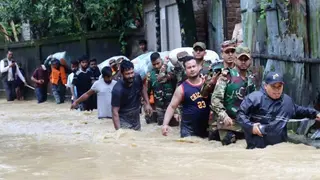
[201, 16]
[200, 12]
[233, 15]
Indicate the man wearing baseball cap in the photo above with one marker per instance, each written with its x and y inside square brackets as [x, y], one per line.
[199, 51]
[263, 114]
[228, 49]
[231, 87]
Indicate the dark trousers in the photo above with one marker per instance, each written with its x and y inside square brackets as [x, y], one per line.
[10, 89]
[59, 92]
[41, 93]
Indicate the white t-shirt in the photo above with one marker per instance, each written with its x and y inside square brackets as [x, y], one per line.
[69, 84]
[104, 94]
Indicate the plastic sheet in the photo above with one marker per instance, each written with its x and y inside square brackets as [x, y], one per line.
[211, 55]
[61, 56]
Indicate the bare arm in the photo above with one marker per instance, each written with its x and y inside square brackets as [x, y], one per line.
[175, 101]
[34, 79]
[115, 117]
[145, 94]
[85, 96]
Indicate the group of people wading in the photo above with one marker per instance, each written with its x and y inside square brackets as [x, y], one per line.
[216, 101]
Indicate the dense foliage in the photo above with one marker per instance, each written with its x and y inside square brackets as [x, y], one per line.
[64, 17]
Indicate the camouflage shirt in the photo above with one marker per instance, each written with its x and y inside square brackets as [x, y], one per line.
[163, 91]
[228, 95]
[207, 87]
[180, 74]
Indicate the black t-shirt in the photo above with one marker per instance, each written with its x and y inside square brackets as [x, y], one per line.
[95, 74]
[127, 98]
[82, 80]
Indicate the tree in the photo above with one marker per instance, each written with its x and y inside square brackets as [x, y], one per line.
[64, 17]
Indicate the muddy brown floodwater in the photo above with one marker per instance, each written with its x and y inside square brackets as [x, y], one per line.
[49, 141]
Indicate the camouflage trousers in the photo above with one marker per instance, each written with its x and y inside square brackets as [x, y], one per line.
[226, 134]
[158, 117]
[153, 117]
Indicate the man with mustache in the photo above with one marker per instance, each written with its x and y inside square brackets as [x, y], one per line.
[264, 114]
[126, 99]
[195, 108]
[228, 49]
[232, 86]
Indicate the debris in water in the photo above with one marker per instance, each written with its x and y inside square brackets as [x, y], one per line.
[133, 145]
[87, 113]
[77, 133]
[84, 122]
[184, 140]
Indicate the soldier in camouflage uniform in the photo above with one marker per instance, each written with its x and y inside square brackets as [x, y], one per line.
[232, 86]
[199, 51]
[178, 70]
[228, 56]
[162, 87]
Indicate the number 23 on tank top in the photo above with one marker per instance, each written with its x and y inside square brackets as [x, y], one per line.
[201, 104]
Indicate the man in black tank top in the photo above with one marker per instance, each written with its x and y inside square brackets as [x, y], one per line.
[195, 113]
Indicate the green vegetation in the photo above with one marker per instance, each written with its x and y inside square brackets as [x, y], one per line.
[49, 18]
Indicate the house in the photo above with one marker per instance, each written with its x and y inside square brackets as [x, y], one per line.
[215, 22]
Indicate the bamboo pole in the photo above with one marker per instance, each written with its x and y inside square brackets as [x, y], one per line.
[14, 31]
[4, 31]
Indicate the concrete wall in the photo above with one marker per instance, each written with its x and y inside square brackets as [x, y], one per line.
[99, 45]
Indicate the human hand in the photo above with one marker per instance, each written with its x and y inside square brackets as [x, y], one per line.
[74, 105]
[148, 109]
[214, 79]
[165, 130]
[41, 81]
[228, 121]
[256, 130]
[166, 60]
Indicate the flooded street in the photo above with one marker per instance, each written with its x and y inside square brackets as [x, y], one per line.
[49, 141]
